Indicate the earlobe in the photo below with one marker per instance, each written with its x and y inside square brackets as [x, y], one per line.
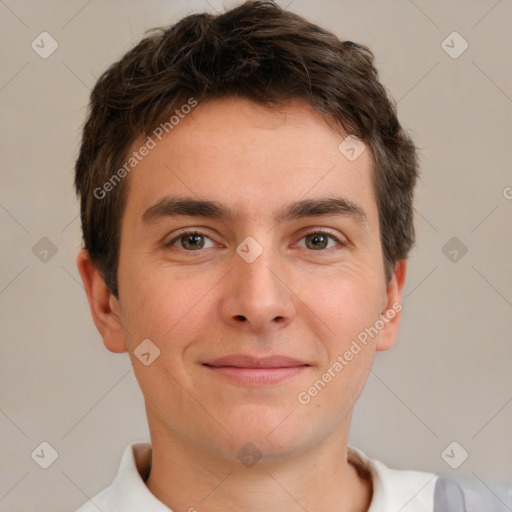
[392, 313]
[103, 305]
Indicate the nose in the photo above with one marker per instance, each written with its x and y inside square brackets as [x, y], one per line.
[257, 295]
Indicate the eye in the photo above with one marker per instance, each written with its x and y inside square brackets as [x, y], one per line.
[191, 241]
[195, 241]
[319, 240]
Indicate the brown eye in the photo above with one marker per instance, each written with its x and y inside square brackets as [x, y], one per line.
[190, 241]
[319, 240]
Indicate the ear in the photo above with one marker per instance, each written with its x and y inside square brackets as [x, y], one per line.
[392, 307]
[104, 306]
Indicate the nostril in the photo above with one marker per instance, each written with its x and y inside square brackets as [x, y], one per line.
[240, 317]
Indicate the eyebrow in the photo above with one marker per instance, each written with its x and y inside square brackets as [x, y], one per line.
[169, 206]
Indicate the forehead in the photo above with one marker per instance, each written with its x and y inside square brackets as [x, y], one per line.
[251, 157]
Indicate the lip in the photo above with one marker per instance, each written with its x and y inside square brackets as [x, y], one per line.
[253, 371]
[243, 361]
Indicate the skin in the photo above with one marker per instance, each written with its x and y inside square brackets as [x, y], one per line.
[198, 305]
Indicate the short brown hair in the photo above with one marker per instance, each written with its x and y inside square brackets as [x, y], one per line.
[256, 51]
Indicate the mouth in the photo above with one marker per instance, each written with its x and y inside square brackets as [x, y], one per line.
[253, 371]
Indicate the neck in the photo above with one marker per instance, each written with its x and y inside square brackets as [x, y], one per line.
[188, 479]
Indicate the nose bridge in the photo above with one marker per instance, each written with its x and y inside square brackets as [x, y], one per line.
[258, 277]
[256, 291]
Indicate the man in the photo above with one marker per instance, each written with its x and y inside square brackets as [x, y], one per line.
[246, 202]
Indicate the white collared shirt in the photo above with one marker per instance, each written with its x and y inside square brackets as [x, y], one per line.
[393, 490]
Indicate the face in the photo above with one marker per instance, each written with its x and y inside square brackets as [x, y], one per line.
[263, 273]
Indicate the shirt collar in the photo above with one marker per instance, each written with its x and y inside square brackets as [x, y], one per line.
[130, 493]
[392, 489]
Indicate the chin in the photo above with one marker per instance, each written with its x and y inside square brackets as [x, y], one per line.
[276, 434]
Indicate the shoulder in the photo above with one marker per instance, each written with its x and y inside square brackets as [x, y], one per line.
[468, 496]
[418, 491]
[127, 492]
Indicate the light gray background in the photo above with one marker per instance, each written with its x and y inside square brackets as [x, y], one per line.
[448, 377]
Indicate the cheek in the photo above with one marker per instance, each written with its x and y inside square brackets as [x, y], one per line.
[167, 307]
[151, 307]
[344, 307]
[165, 311]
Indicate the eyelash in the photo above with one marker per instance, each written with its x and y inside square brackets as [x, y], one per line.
[314, 232]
